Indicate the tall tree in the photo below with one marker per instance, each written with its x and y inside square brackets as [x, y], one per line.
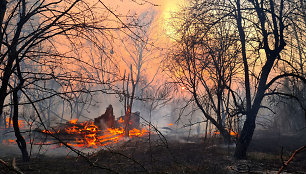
[263, 27]
[272, 18]
[204, 62]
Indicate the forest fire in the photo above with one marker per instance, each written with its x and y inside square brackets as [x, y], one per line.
[88, 135]
[220, 85]
[104, 130]
[9, 122]
[9, 141]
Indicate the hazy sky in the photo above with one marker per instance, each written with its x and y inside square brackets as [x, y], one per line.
[163, 8]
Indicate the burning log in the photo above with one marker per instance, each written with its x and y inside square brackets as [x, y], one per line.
[106, 120]
[103, 131]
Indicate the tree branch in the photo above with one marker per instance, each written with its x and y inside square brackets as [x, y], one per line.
[291, 158]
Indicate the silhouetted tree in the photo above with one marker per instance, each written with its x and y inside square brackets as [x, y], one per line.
[203, 62]
[263, 27]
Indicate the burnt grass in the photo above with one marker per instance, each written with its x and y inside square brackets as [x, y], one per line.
[192, 155]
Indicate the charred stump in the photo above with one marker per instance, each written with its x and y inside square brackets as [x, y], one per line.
[106, 120]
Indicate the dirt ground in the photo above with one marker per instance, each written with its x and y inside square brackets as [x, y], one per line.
[166, 156]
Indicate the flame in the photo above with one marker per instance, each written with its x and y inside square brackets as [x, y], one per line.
[231, 132]
[170, 124]
[137, 132]
[121, 120]
[217, 133]
[10, 122]
[84, 134]
[88, 135]
[9, 141]
[73, 121]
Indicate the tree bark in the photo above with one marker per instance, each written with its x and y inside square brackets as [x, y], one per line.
[245, 137]
[5, 82]
[20, 140]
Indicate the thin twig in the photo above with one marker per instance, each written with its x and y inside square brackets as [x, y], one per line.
[12, 168]
[291, 158]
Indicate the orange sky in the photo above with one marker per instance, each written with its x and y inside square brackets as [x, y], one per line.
[167, 8]
[159, 29]
[163, 8]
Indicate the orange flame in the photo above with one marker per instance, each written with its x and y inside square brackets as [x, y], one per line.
[85, 134]
[88, 134]
[121, 120]
[9, 141]
[231, 132]
[10, 122]
[73, 121]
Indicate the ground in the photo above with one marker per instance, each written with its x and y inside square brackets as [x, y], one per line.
[171, 155]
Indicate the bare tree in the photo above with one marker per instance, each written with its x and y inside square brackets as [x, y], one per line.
[139, 52]
[273, 18]
[204, 61]
[263, 27]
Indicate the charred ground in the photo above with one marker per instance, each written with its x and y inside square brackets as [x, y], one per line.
[173, 155]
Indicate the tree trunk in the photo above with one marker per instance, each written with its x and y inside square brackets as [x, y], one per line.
[2, 14]
[20, 140]
[226, 136]
[245, 137]
[127, 121]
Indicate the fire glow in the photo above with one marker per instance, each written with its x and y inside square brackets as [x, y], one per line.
[10, 122]
[88, 135]
[231, 132]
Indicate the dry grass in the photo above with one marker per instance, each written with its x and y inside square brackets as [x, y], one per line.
[138, 156]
